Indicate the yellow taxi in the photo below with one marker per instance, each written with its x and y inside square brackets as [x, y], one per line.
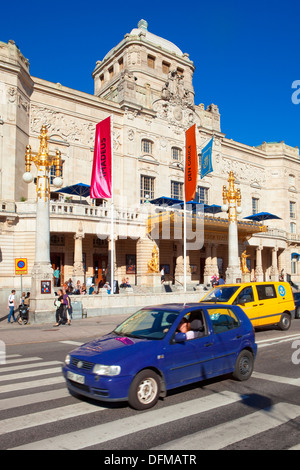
[265, 303]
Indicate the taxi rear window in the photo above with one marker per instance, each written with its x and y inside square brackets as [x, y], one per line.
[266, 292]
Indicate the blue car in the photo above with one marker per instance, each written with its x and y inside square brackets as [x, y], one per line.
[160, 348]
[297, 304]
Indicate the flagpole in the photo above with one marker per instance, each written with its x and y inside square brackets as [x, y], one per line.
[184, 226]
[112, 241]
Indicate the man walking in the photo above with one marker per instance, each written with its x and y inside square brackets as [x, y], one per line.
[56, 276]
[11, 304]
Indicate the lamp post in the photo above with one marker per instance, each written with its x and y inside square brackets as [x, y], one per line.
[42, 269]
[231, 203]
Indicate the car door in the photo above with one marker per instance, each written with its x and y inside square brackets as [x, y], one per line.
[268, 309]
[228, 333]
[189, 360]
[247, 299]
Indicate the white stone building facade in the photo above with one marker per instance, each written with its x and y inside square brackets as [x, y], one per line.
[146, 83]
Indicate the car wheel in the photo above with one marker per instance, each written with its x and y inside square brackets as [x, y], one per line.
[285, 321]
[297, 315]
[244, 365]
[144, 390]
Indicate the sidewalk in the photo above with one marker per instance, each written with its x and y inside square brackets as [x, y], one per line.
[79, 330]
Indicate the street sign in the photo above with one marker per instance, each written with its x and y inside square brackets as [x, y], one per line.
[21, 265]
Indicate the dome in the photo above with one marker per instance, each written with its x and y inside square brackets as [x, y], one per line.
[156, 40]
[142, 30]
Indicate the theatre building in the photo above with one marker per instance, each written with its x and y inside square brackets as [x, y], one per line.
[145, 83]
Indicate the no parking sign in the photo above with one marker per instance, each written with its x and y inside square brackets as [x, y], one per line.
[21, 265]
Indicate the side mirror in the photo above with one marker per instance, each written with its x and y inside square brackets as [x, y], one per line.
[180, 337]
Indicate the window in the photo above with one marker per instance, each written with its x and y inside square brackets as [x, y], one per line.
[266, 292]
[255, 205]
[165, 67]
[202, 195]
[111, 72]
[294, 264]
[223, 319]
[180, 71]
[121, 64]
[293, 227]
[176, 154]
[246, 295]
[292, 180]
[147, 188]
[176, 190]
[292, 210]
[151, 61]
[101, 80]
[147, 146]
[52, 172]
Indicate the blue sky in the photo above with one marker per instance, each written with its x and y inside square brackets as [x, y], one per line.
[246, 53]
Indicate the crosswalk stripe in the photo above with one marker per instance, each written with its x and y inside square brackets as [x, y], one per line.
[74, 343]
[223, 435]
[115, 429]
[297, 447]
[276, 378]
[29, 366]
[20, 361]
[33, 398]
[32, 384]
[32, 373]
[271, 341]
[46, 417]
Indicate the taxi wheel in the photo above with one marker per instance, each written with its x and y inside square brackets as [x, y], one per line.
[297, 313]
[244, 365]
[144, 390]
[285, 321]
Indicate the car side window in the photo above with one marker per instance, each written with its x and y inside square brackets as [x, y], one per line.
[246, 295]
[266, 292]
[223, 320]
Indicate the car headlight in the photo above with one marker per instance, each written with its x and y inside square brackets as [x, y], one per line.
[67, 359]
[101, 369]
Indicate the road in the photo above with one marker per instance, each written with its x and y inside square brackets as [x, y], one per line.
[36, 411]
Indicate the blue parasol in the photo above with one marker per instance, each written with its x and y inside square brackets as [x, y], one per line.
[78, 189]
[262, 216]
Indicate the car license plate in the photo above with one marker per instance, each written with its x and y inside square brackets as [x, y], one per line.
[75, 377]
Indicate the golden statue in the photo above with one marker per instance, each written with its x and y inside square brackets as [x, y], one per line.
[244, 257]
[153, 266]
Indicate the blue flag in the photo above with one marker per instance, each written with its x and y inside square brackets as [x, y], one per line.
[206, 161]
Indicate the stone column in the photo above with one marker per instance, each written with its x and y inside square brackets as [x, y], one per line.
[215, 267]
[274, 267]
[258, 270]
[179, 269]
[144, 253]
[108, 275]
[208, 265]
[78, 271]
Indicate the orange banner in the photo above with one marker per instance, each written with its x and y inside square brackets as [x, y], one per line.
[191, 164]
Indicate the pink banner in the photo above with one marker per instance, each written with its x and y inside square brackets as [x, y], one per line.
[102, 165]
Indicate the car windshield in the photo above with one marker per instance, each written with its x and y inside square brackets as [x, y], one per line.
[220, 294]
[147, 324]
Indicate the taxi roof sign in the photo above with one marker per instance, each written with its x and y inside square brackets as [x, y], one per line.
[21, 265]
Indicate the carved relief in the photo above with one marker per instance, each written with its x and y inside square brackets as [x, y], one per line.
[71, 129]
[176, 103]
[244, 171]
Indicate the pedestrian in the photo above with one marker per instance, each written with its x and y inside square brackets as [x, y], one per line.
[162, 275]
[221, 281]
[11, 304]
[59, 308]
[66, 307]
[56, 275]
